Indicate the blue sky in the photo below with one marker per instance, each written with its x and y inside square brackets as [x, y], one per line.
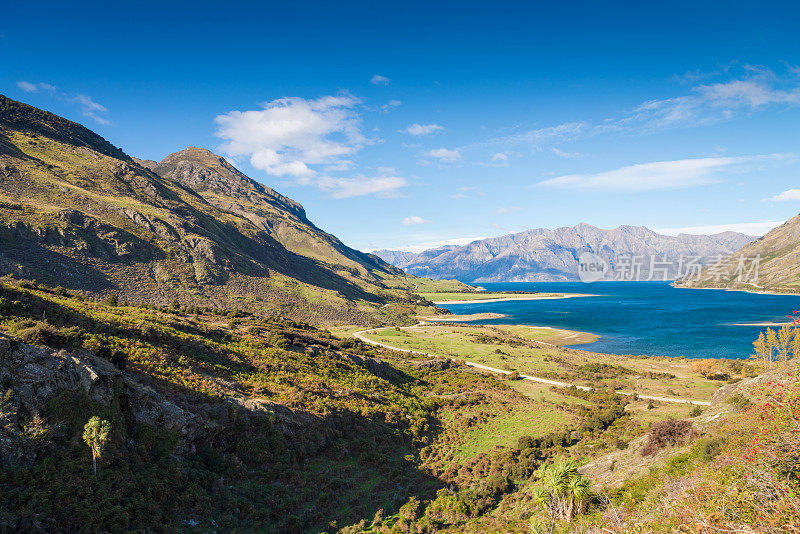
[408, 124]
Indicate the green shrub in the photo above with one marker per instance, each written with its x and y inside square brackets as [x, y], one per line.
[739, 402]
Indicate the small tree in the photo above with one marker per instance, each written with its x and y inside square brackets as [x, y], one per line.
[95, 434]
[561, 491]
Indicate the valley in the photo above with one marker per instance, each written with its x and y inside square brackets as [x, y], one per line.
[181, 349]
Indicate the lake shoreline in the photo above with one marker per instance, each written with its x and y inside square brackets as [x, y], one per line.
[508, 299]
[648, 318]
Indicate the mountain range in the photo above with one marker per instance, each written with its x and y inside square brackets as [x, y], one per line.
[541, 254]
[77, 212]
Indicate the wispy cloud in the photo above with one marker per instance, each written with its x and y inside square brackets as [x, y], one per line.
[413, 220]
[444, 155]
[380, 80]
[499, 156]
[422, 129]
[744, 89]
[790, 194]
[390, 105]
[563, 154]
[541, 136]
[753, 89]
[381, 186]
[658, 175]
[29, 87]
[508, 209]
[88, 106]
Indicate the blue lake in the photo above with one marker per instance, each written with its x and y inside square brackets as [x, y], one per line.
[645, 317]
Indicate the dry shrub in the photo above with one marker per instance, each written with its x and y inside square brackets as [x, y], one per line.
[669, 432]
[710, 369]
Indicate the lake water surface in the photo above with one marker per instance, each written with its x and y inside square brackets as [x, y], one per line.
[645, 317]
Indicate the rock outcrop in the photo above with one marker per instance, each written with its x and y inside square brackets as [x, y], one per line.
[33, 377]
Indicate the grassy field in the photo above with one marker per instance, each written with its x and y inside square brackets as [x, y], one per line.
[517, 348]
[426, 285]
[536, 420]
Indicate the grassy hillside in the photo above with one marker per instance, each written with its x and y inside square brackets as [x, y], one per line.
[226, 420]
[79, 213]
[777, 269]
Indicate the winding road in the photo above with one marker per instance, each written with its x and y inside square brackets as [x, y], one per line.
[361, 336]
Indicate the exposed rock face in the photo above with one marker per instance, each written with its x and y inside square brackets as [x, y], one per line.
[541, 255]
[778, 265]
[32, 376]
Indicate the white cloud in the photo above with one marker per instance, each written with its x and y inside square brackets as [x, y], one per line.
[290, 135]
[29, 87]
[382, 186]
[309, 141]
[791, 194]
[458, 196]
[413, 220]
[380, 80]
[500, 156]
[749, 228]
[422, 129]
[444, 155]
[657, 175]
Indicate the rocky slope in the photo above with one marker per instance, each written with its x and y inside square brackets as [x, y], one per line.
[777, 267]
[77, 212]
[552, 255]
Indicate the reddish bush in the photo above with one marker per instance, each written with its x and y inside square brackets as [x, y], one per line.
[669, 432]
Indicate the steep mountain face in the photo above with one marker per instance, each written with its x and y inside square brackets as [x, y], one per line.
[552, 255]
[770, 263]
[76, 211]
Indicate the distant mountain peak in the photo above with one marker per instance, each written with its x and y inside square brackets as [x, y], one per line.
[540, 254]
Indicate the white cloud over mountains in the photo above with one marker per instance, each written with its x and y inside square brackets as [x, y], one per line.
[659, 175]
[306, 140]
